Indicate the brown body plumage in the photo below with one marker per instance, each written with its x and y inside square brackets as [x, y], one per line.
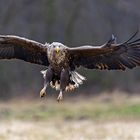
[61, 61]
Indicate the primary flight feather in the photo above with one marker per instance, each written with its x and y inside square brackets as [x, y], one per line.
[62, 61]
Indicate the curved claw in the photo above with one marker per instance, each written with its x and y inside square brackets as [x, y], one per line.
[60, 96]
[43, 92]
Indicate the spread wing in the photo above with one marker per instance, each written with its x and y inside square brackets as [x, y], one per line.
[14, 47]
[109, 56]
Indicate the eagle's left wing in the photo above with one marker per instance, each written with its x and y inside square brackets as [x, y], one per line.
[15, 47]
[109, 56]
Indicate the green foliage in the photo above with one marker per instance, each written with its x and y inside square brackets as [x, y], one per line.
[82, 110]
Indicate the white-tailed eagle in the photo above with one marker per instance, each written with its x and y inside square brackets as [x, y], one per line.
[62, 61]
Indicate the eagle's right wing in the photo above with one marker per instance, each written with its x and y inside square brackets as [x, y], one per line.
[14, 47]
[110, 56]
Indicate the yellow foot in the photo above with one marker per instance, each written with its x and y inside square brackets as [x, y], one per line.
[42, 92]
[60, 96]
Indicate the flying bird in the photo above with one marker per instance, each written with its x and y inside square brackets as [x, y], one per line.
[62, 61]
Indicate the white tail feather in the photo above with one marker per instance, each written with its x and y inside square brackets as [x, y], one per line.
[77, 78]
[80, 76]
[74, 76]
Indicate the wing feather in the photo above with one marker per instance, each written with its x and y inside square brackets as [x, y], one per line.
[14, 47]
[109, 56]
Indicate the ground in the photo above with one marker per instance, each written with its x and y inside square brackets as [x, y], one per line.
[105, 117]
[74, 130]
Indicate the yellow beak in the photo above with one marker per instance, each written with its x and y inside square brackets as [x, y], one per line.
[57, 49]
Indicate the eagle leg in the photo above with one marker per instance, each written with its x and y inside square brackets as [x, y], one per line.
[60, 96]
[64, 81]
[47, 79]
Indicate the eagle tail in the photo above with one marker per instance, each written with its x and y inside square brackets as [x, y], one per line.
[76, 79]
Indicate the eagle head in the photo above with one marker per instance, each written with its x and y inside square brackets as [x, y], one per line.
[56, 46]
[56, 51]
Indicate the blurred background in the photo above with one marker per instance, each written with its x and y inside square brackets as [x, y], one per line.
[114, 95]
[73, 23]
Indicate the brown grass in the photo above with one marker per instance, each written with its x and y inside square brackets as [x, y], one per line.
[115, 117]
[69, 130]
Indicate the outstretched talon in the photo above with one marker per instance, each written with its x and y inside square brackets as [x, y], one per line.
[60, 96]
[42, 92]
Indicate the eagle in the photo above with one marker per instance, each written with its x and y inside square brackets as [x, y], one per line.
[62, 61]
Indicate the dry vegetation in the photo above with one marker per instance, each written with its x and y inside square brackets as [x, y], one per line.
[69, 130]
[115, 117]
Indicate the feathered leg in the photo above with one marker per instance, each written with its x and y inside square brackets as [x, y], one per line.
[47, 79]
[64, 81]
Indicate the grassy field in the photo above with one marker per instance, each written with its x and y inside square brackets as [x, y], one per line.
[98, 118]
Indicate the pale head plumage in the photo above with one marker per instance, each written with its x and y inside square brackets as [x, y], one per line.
[56, 52]
[54, 45]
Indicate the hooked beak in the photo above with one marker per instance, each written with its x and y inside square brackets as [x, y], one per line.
[57, 49]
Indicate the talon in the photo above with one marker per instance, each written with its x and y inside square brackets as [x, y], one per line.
[42, 93]
[60, 96]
